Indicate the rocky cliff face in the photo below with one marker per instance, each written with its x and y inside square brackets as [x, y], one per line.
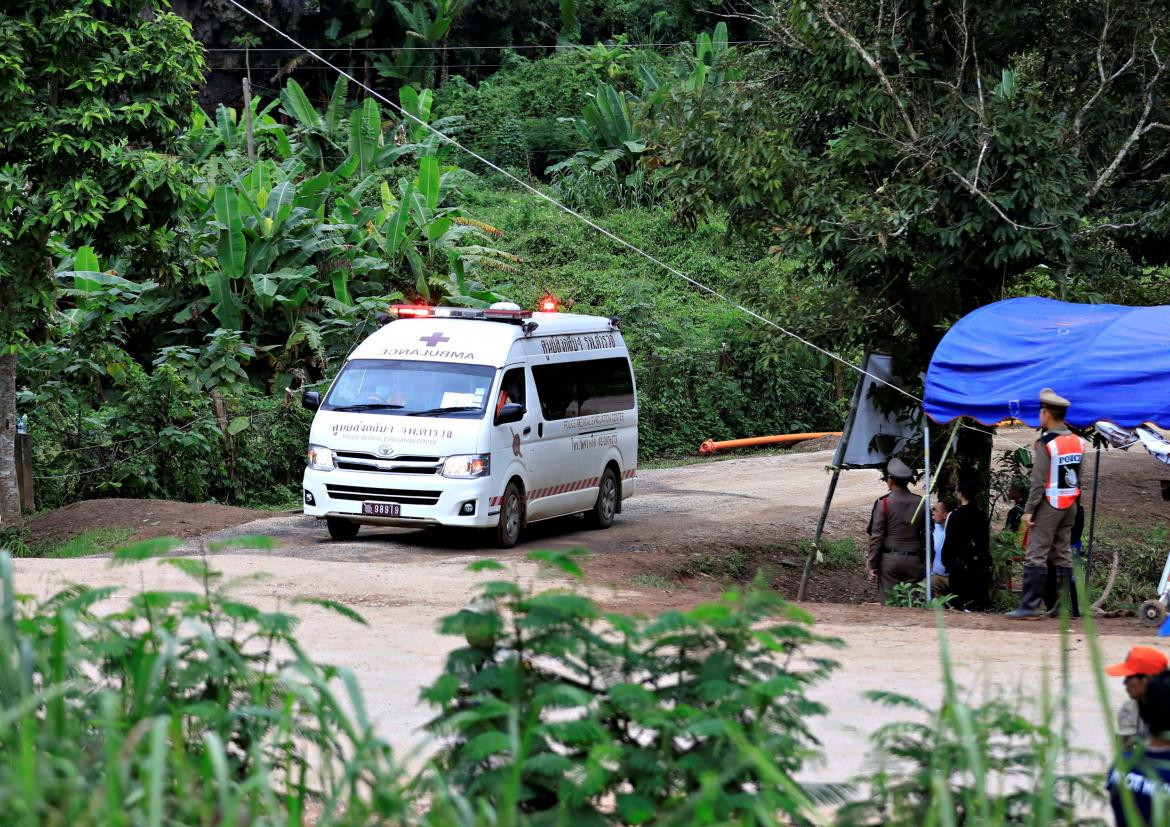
[217, 24]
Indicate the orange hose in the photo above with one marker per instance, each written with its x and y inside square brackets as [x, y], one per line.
[711, 446]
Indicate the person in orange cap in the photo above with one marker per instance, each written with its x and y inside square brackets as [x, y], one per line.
[1140, 665]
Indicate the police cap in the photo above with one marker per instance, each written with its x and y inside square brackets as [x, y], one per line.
[898, 469]
[1051, 399]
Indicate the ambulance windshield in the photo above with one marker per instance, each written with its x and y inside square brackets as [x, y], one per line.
[407, 388]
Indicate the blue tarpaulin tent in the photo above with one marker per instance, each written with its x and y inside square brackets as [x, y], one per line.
[1111, 362]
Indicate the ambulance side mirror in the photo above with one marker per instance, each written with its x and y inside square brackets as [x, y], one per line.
[511, 412]
[311, 400]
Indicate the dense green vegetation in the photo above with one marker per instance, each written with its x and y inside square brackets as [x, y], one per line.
[161, 356]
[171, 372]
[175, 269]
[193, 706]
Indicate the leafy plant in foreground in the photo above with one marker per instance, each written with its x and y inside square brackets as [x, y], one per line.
[557, 708]
[997, 762]
[184, 707]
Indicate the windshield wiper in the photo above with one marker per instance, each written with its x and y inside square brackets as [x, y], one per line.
[369, 406]
[441, 411]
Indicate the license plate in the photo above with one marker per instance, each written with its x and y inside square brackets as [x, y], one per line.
[382, 509]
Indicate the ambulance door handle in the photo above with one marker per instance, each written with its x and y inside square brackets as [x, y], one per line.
[527, 431]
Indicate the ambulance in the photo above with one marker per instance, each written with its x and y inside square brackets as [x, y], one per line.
[487, 418]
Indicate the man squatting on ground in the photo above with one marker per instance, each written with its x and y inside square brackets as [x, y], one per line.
[1145, 769]
[1050, 510]
[896, 533]
[1139, 667]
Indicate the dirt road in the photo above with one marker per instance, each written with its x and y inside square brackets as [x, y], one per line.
[403, 581]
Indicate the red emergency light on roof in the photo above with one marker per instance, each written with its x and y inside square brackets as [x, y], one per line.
[549, 304]
[411, 311]
[422, 311]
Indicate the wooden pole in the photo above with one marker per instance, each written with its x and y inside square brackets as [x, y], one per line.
[24, 471]
[248, 119]
[838, 459]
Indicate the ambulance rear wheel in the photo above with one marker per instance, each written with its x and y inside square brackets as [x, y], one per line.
[511, 517]
[603, 511]
[1152, 612]
[342, 529]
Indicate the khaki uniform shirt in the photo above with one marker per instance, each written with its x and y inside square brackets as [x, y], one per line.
[896, 525]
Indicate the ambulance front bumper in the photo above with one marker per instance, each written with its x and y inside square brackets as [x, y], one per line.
[421, 500]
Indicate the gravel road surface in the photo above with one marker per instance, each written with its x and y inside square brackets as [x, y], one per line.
[403, 581]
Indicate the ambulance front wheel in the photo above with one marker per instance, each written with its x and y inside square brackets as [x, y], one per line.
[603, 511]
[342, 529]
[1152, 612]
[511, 517]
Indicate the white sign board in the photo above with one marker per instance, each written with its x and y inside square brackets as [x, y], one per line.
[876, 435]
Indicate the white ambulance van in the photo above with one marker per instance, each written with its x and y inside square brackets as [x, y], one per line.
[490, 418]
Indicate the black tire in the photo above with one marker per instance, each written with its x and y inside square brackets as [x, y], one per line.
[341, 528]
[511, 517]
[603, 511]
[1152, 612]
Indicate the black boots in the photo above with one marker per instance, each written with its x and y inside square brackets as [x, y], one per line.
[1065, 585]
[1032, 594]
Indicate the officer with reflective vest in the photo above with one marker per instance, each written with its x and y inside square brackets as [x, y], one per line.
[1050, 510]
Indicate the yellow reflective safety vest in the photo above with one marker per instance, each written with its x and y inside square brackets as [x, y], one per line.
[1065, 454]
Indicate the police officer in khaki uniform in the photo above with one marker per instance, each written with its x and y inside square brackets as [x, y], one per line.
[896, 533]
[1050, 510]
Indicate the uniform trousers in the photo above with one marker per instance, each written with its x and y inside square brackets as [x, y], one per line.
[898, 568]
[1049, 536]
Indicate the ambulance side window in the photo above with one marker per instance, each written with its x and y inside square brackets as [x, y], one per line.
[606, 387]
[557, 388]
[593, 386]
[511, 389]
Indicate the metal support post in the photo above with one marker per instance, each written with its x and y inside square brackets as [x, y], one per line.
[926, 503]
[1092, 521]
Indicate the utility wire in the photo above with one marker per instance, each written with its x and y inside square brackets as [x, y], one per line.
[513, 46]
[570, 211]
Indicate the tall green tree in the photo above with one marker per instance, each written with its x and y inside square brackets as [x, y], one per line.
[93, 96]
[935, 154]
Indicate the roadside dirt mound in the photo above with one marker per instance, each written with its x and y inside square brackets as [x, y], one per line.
[148, 518]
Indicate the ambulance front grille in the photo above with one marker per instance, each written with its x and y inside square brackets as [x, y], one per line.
[361, 461]
[384, 495]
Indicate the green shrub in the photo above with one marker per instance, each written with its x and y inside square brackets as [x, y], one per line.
[186, 707]
[841, 554]
[1141, 547]
[533, 94]
[1003, 761]
[157, 436]
[562, 712]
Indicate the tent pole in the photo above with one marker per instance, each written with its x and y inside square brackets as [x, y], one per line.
[926, 503]
[1092, 520]
[838, 459]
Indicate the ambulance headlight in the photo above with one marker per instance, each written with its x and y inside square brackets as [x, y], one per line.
[320, 458]
[468, 466]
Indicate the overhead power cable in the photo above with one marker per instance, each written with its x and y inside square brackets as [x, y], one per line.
[514, 47]
[570, 211]
[585, 219]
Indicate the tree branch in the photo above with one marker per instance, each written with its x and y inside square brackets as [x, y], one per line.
[1141, 128]
[1104, 80]
[874, 66]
